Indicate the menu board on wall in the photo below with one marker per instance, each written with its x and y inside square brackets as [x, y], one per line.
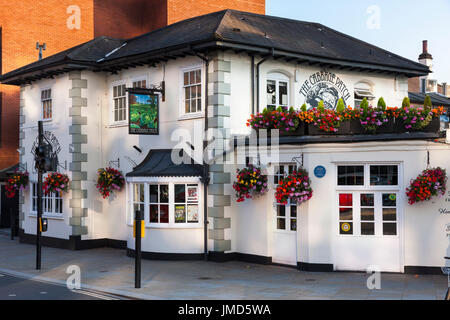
[143, 112]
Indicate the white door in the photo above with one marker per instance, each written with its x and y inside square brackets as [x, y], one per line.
[284, 240]
[368, 231]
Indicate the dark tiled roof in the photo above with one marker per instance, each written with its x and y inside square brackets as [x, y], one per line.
[437, 99]
[304, 41]
[158, 163]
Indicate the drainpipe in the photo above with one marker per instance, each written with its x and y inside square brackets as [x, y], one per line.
[257, 77]
[252, 63]
[205, 178]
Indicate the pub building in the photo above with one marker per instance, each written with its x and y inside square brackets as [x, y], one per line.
[214, 72]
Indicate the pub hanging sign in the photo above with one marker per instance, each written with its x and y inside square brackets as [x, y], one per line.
[325, 86]
[143, 106]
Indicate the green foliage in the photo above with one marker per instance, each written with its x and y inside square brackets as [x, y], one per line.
[340, 106]
[427, 102]
[304, 108]
[364, 104]
[280, 109]
[406, 103]
[291, 110]
[321, 106]
[381, 104]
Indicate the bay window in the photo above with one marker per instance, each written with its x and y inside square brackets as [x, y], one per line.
[367, 200]
[167, 204]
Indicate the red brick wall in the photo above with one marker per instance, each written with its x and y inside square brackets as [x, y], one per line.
[414, 85]
[128, 18]
[23, 24]
[178, 10]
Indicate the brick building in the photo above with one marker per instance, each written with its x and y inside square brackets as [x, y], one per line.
[62, 24]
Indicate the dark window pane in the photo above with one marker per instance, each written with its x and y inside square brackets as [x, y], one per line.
[164, 213]
[346, 228]
[164, 193]
[367, 214]
[275, 179]
[389, 229]
[383, 175]
[367, 200]
[293, 224]
[293, 211]
[346, 200]
[281, 224]
[139, 207]
[389, 214]
[180, 193]
[345, 214]
[368, 228]
[180, 214]
[351, 175]
[281, 211]
[389, 200]
[153, 193]
[154, 213]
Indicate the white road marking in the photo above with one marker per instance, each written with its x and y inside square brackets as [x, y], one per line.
[43, 292]
[95, 295]
[12, 295]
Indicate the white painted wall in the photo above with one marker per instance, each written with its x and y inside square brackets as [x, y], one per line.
[252, 221]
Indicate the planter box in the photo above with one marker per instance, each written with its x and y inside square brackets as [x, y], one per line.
[300, 131]
[434, 126]
[388, 127]
[356, 127]
[312, 130]
[399, 126]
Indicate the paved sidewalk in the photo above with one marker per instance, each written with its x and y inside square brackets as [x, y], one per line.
[110, 270]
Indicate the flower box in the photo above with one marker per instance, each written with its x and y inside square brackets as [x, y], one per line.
[434, 126]
[355, 127]
[301, 130]
[388, 127]
[312, 130]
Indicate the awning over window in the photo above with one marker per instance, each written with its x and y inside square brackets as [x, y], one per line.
[4, 174]
[159, 163]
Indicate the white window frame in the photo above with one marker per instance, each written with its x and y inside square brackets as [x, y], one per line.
[278, 77]
[182, 112]
[112, 121]
[171, 182]
[363, 90]
[367, 188]
[287, 217]
[141, 78]
[42, 104]
[46, 214]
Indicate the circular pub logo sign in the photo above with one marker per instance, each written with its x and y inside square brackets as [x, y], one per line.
[345, 227]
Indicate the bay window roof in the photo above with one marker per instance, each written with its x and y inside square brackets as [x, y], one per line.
[261, 35]
[159, 163]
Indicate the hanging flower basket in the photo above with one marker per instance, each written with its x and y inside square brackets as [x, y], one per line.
[250, 183]
[55, 183]
[16, 182]
[296, 187]
[108, 181]
[430, 183]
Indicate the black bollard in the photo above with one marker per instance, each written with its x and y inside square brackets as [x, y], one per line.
[138, 253]
[13, 222]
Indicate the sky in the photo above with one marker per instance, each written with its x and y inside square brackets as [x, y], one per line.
[395, 25]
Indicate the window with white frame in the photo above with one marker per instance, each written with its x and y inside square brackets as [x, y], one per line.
[52, 204]
[119, 110]
[277, 91]
[46, 102]
[192, 91]
[167, 204]
[286, 215]
[363, 90]
[140, 84]
[368, 199]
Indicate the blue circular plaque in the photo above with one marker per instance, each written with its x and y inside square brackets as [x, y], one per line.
[320, 171]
